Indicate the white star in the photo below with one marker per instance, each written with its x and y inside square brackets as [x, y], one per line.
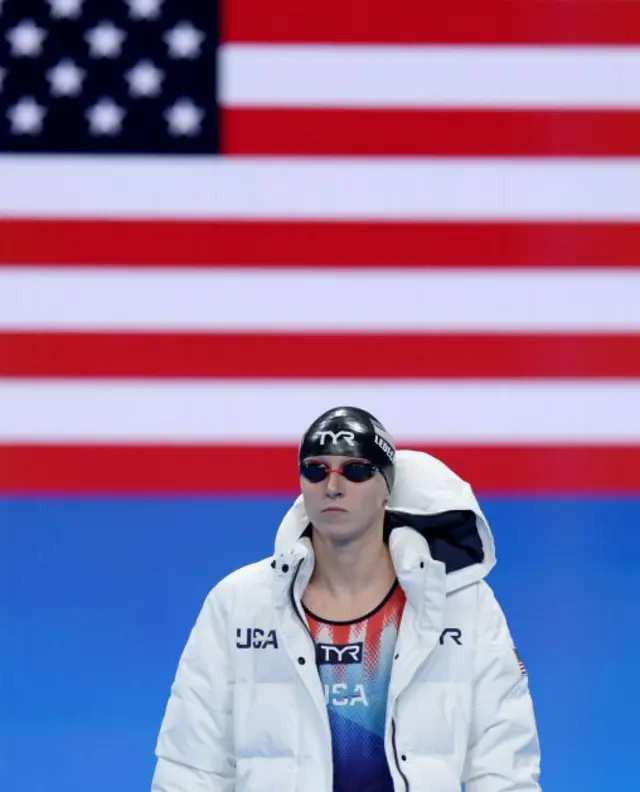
[144, 79]
[61, 9]
[26, 116]
[184, 41]
[26, 39]
[66, 78]
[105, 40]
[105, 117]
[184, 118]
[144, 9]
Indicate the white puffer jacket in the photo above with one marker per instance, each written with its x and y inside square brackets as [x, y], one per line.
[247, 711]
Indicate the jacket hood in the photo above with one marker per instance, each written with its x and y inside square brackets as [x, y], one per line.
[431, 499]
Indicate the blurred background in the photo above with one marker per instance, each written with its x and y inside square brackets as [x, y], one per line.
[219, 220]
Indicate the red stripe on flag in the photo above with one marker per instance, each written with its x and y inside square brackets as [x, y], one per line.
[417, 21]
[486, 132]
[294, 355]
[28, 470]
[317, 244]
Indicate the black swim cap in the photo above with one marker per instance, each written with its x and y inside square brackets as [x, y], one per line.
[350, 431]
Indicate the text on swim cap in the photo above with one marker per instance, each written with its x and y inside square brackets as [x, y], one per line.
[335, 436]
[385, 447]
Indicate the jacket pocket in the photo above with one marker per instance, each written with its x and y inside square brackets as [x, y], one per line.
[266, 774]
[433, 718]
[260, 727]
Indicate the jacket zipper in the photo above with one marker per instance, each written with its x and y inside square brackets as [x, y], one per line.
[295, 604]
[395, 755]
[300, 616]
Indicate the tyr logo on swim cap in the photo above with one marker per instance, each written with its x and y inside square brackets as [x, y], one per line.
[352, 432]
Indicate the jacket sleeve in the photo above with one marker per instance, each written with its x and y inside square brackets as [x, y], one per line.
[194, 748]
[504, 752]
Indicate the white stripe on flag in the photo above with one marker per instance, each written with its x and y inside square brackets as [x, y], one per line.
[345, 188]
[320, 300]
[372, 76]
[255, 412]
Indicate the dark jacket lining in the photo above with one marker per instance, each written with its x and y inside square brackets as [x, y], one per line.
[452, 536]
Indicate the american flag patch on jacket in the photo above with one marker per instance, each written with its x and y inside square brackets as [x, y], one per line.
[521, 665]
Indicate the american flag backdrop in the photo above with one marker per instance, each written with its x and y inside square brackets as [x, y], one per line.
[218, 221]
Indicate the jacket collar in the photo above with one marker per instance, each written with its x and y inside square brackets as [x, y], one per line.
[421, 577]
